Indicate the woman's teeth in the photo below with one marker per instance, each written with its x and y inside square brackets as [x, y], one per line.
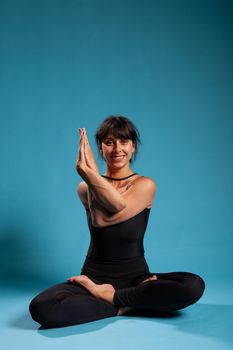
[118, 157]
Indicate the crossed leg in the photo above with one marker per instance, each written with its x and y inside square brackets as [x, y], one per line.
[103, 291]
[66, 304]
[168, 292]
[171, 291]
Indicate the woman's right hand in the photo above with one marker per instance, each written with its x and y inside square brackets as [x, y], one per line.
[81, 162]
[85, 160]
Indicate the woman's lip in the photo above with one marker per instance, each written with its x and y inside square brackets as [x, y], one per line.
[117, 158]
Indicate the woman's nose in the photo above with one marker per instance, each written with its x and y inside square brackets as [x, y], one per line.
[117, 146]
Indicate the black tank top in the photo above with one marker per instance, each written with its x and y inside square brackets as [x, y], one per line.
[123, 240]
[117, 250]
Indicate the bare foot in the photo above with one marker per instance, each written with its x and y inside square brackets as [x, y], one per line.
[154, 277]
[101, 291]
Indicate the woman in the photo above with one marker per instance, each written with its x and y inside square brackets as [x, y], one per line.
[115, 276]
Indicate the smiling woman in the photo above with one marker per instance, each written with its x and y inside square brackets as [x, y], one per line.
[115, 131]
[110, 147]
[115, 276]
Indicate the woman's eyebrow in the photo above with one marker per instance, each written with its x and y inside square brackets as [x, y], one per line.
[110, 138]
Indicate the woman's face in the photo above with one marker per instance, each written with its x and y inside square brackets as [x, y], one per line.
[117, 152]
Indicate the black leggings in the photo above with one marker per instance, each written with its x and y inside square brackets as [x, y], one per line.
[67, 304]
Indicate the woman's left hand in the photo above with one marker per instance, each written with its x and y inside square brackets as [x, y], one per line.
[85, 157]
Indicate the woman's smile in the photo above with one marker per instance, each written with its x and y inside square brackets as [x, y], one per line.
[117, 158]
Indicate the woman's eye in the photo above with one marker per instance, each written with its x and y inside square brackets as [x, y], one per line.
[110, 142]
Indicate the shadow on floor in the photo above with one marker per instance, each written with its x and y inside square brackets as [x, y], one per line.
[25, 322]
[209, 320]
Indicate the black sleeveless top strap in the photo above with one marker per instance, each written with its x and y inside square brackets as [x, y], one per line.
[119, 179]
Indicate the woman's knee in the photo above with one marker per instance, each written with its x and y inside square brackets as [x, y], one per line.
[196, 287]
[40, 310]
[190, 288]
[35, 308]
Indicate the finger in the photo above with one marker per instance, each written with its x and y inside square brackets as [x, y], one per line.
[71, 278]
[85, 135]
[80, 134]
[80, 146]
[81, 130]
[83, 138]
[85, 149]
[80, 152]
[74, 280]
[71, 281]
[85, 145]
[82, 149]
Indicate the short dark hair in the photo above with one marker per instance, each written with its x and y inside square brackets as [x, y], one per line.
[120, 127]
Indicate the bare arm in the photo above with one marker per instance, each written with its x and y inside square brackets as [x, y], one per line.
[143, 188]
[102, 192]
[139, 196]
[106, 204]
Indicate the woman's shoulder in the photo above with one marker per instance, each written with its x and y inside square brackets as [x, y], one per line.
[145, 180]
[143, 184]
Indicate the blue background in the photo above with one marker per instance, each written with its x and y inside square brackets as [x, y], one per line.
[167, 66]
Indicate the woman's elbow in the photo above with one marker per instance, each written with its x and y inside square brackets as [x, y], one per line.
[120, 207]
[114, 209]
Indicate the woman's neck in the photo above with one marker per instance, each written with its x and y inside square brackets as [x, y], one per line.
[118, 174]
